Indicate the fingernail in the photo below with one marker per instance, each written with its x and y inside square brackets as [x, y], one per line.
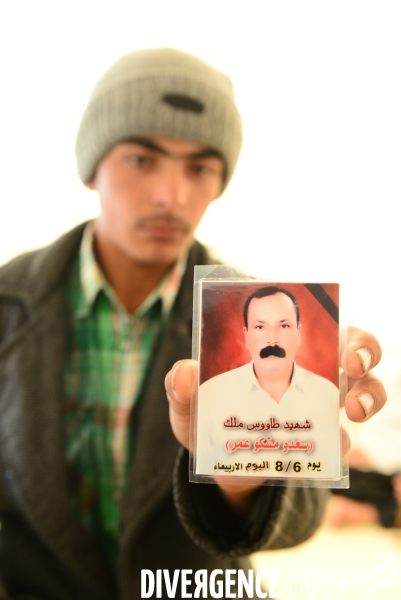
[367, 402]
[173, 375]
[365, 357]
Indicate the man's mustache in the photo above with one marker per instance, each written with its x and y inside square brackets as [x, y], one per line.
[272, 351]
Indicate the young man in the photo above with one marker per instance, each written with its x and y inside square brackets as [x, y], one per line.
[94, 484]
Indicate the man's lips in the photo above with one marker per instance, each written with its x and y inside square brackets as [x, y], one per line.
[163, 228]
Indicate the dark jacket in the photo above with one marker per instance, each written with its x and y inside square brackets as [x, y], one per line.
[167, 523]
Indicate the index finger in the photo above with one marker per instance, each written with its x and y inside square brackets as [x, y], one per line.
[361, 352]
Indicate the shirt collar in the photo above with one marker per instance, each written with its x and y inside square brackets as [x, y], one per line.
[93, 281]
[297, 381]
[91, 276]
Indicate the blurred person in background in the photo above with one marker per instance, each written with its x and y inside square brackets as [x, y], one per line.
[373, 498]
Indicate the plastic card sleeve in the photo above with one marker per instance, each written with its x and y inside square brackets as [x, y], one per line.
[269, 401]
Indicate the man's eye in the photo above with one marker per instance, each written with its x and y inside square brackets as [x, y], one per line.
[258, 326]
[137, 159]
[200, 169]
[284, 325]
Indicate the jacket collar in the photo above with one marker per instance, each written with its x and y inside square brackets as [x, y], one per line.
[30, 277]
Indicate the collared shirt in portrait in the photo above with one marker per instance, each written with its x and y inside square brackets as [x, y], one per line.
[238, 423]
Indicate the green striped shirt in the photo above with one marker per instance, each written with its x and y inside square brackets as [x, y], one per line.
[107, 356]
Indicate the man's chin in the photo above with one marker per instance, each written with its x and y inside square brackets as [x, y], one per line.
[271, 363]
[160, 255]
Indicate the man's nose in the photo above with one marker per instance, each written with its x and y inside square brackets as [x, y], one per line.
[171, 189]
[270, 336]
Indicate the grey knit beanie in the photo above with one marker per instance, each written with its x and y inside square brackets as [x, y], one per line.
[163, 92]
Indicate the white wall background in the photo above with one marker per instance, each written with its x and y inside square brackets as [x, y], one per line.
[317, 192]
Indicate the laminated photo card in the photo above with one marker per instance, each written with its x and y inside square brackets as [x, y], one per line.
[269, 392]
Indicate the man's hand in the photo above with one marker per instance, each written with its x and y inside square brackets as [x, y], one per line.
[365, 397]
[180, 385]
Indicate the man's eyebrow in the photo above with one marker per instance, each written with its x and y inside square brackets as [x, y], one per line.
[280, 321]
[207, 153]
[147, 143]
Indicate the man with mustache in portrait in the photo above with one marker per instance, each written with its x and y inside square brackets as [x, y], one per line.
[271, 388]
[272, 336]
[94, 483]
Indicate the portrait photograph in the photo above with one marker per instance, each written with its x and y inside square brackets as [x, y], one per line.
[268, 398]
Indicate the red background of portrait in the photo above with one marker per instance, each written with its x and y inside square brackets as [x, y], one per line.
[222, 339]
